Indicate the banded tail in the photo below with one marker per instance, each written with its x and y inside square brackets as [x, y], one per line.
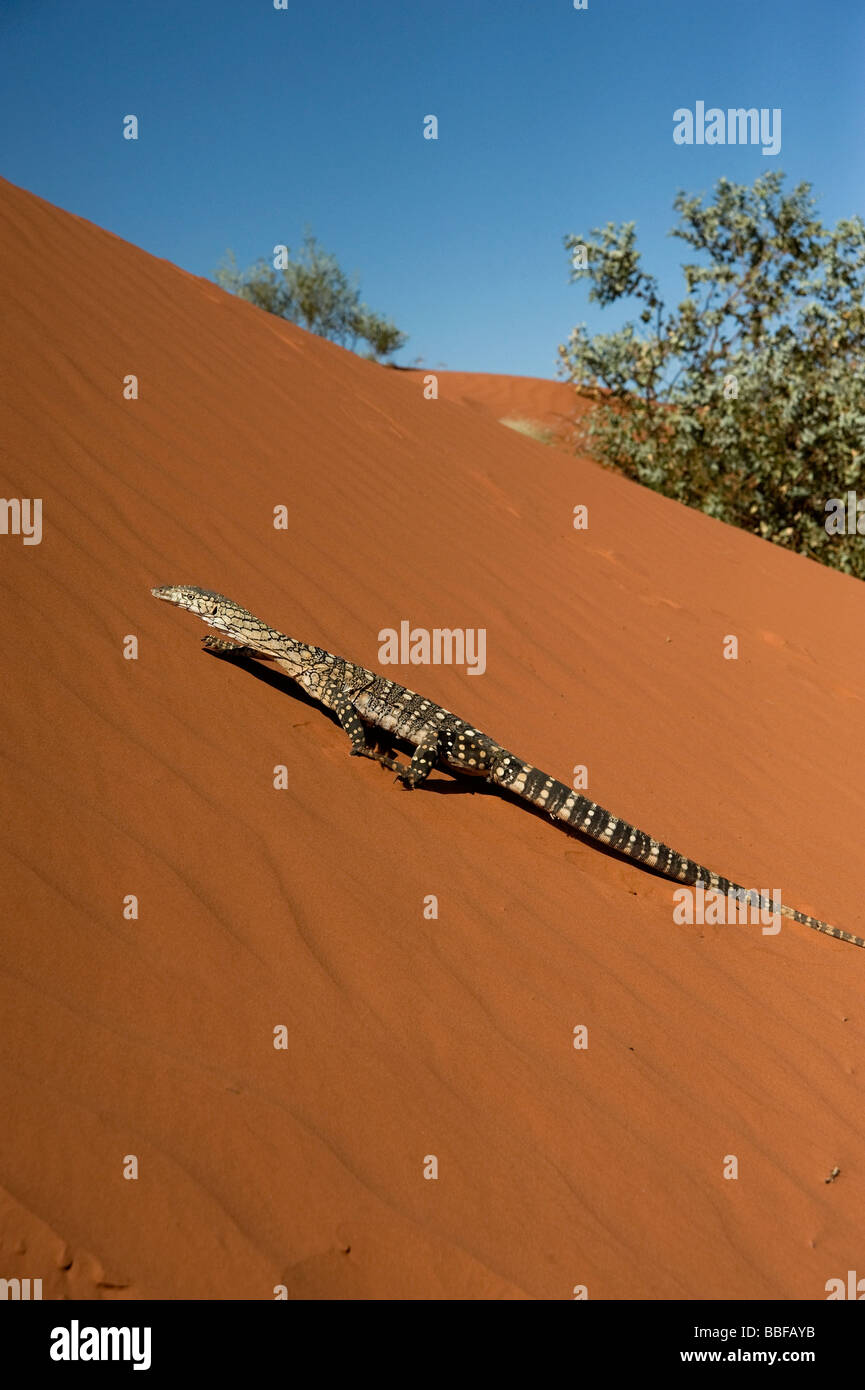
[588, 818]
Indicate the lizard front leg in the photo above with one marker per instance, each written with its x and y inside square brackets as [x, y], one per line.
[222, 646]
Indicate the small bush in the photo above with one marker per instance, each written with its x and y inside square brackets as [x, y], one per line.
[748, 399]
[316, 293]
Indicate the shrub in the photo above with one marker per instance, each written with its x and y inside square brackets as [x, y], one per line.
[315, 292]
[747, 400]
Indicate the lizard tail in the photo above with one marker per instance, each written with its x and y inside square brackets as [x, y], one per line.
[588, 818]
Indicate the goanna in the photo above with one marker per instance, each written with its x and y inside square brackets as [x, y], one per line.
[361, 698]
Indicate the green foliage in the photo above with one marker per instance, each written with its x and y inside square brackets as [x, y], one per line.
[748, 399]
[315, 292]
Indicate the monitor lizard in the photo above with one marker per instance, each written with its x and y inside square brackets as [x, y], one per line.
[361, 698]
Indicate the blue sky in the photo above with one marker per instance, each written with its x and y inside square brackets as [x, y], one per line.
[256, 123]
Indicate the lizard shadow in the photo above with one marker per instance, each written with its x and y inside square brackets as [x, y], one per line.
[447, 783]
[451, 782]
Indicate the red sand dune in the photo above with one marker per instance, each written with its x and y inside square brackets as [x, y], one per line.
[304, 907]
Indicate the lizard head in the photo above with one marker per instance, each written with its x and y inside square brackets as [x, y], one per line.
[228, 617]
[215, 609]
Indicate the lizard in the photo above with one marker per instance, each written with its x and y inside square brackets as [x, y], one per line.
[362, 699]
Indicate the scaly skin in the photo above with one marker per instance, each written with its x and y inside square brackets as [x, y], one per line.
[360, 697]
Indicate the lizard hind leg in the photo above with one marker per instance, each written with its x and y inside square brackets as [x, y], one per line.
[346, 713]
[424, 759]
